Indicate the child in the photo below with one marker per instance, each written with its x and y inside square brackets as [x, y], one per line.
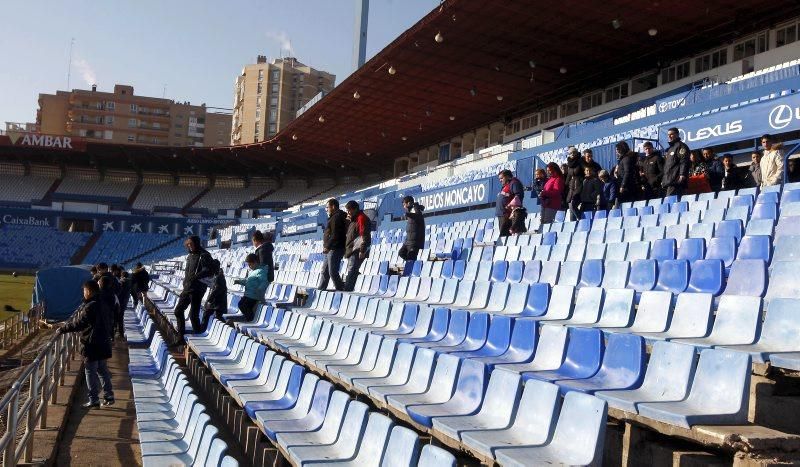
[518, 217]
[539, 179]
[255, 285]
[609, 198]
[591, 191]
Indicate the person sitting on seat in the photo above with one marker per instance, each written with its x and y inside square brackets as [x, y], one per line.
[255, 285]
[518, 217]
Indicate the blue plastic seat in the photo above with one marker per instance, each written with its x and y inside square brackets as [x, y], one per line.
[765, 211]
[747, 277]
[582, 360]
[549, 272]
[755, 247]
[643, 275]
[779, 331]
[730, 228]
[465, 399]
[622, 367]
[583, 418]
[690, 318]
[669, 373]
[616, 274]
[456, 331]
[587, 307]
[516, 270]
[719, 393]
[652, 315]
[737, 322]
[723, 249]
[591, 273]
[432, 456]
[787, 247]
[499, 271]
[521, 347]
[664, 248]
[673, 276]
[692, 249]
[533, 269]
[708, 276]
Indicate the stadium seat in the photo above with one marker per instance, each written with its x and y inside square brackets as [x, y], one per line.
[755, 247]
[718, 396]
[652, 314]
[591, 273]
[622, 367]
[673, 276]
[581, 360]
[669, 373]
[587, 307]
[738, 320]
[783, 280]
[617, 309]
[708, 276]
[644, 273]
[692, 249]
[779, 331]
[723, 249]
[432, 456]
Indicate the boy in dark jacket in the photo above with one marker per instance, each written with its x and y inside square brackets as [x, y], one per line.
[333, 241]
[591, 191]
[415, 230]
[140, 283]
[217, 301]
[90, 320]
[609, 199]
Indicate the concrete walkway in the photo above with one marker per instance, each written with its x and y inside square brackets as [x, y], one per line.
[105, 436]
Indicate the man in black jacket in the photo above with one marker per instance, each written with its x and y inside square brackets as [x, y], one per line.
[733, 177]
[415, 230]
[653, 169]
[217, 301]
[140, 283]
[199, 266]
[627, 173]
[676, 165]
[333, 241]
[90, 320]
[264, 248]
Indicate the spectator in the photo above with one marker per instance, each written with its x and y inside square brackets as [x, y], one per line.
[140, 283]
[697, 165]
[574, 182]
[591, 192]
[754, 177]
[415, 230]
[198, 270]
[653, 168]
[518, 217]
[714, 169]
[552, 194]
[90, 319]
[539, 179]
[217, 300]
[109, 293]
[124, 298]
[628, 173]
[333, 245]
[732, 177]
[771, 162]
[609, 200]
[357, 243]
[264, 249]
[698, 178]
[93, 271]
[509, 197]
[588, 161]
[255, 285]
[676, 165]
[792, 171]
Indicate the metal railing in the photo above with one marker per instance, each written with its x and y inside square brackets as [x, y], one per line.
[23, 409]
[20, 325]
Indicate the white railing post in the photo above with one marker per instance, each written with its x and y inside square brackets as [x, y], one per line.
[10, 457]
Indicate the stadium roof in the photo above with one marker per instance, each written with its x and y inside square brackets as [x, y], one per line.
[495, 60]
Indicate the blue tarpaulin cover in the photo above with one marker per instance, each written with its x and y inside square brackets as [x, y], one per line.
[60, 289]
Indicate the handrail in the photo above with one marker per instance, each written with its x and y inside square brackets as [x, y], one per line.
[24, 406]
[20, 325]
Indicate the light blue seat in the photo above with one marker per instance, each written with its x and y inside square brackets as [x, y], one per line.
[652, 315]
[718, 396]
[559, 305]
[669, 374]
[673, 276]
[570, 273]
[405, 382]
[435, 387]
[402, 449]
[783, 280]
[617, 311]
[582, 358]
[690, 318]
[549, 272]
[779, 331]
[474, 339]
[692, 249]
[578, 439]
[747, 277]
[313, 399]
[738, 321]
[723, 249]
[499, 403]
[708, 276]
[616, 251]
[359, 434]
[643, 275]
[591, 273]
[336, 417]
[436, 330]
[622, 367]
[755, 247]
[638, 250]
[786, 247]
[456, 331]
[521, 347]
[587, 307]
[550, 350]
[432, 456]
[538, 398]
[465, 399]
[398, 371]
[616, 274]
[533, 269]
[496, 342]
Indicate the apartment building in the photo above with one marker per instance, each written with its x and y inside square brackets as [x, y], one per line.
[267, 96]
[123, 117]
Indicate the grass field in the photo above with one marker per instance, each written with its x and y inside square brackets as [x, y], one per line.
[14, 291]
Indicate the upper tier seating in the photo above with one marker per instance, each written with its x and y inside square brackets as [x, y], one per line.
[38, 247]
[172, 196]
[116, 247]
[115, 189]
[24, 189]
[232, 198]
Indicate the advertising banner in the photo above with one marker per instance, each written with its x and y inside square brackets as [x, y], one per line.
[459, 196]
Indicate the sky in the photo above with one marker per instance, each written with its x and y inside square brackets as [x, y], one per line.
[181, 49]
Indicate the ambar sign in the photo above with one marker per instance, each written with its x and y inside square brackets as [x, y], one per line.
[44, 141]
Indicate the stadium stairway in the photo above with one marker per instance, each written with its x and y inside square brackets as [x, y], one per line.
[194, 200]
[49, 195]
[145, 253]
[134, 194]
[80, 255]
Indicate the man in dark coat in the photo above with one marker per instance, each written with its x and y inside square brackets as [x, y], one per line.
[415, 230]
[217, 301]
[90, 320]
[714, 169]
[574, 182]
[627, 173]
[676, 165]
[733, 177]
[333, 240]
[140, 283]
[199, 268]
[653, 168]
[264, 248]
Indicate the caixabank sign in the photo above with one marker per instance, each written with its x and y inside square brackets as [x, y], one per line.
[775, 116]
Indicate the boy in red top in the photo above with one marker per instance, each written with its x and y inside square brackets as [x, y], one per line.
[357, 242]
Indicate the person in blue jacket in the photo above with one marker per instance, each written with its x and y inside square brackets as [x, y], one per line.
[255, 285]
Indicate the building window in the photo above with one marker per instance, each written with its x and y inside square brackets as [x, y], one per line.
[274, 88]
[82, 133]
[786, 35]
[134, 108]
[273, 114]
[156, 125]
[261, 75]
[273, 101]
[592, 100]
[711, 61]
[258, 101]
[155, 140]
[108, 134]
[273, 128]
[131, 138]
[548, 115]
[530, 122]
[275, 75]
[259, 89]
[644, 83]
[132, 122]
[617, 92]
[570, 108]
[109, 119]
[110, 105]
[675, 73]
[750, 47]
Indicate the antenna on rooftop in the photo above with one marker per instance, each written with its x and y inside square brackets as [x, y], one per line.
[360, 42]
[69, 64]
[164, 92]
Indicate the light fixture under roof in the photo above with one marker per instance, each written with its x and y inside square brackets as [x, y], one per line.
[356, 95]
[452, 117]
[392, 70]
[321, 119]
[472, 92]
[278, 147]
[531, 64]
[563, 70]
[616, 24]
[499, 97]
[369, 154]
[438, 37]
[404, 138]
[652, 31]
[294, 137]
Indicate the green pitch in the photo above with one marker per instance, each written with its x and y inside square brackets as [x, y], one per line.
[14, 291]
